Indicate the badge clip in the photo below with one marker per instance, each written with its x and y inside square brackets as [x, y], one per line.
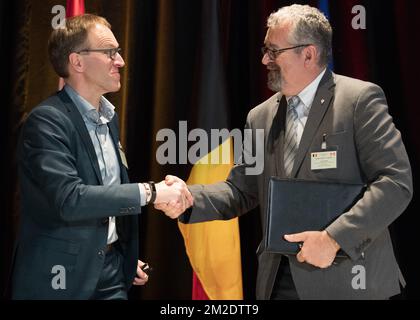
[324, 142]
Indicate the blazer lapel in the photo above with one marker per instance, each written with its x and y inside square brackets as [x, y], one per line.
[113, 130]
[78, 122]
[322, 101]
[114, 135]
[277, 132]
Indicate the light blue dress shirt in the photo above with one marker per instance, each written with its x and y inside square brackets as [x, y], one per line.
[96, 124]
[306, 97]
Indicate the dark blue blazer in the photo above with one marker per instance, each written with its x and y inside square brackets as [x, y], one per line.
[65, 206]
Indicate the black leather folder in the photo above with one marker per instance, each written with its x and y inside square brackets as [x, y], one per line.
[299, 205]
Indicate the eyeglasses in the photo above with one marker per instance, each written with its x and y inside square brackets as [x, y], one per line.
[111, 52]
[273, 53]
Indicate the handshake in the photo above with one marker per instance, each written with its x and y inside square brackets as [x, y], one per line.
[172, 196]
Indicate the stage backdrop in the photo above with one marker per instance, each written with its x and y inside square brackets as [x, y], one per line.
[162, 42]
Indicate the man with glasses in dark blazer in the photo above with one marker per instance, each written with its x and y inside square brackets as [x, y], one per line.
[78, 236]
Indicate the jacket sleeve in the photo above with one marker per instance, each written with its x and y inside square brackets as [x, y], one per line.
[228, 199]
[384, 162]
[49, 170]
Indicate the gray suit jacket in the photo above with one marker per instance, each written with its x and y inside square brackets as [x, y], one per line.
[353, 114]
[65, 207]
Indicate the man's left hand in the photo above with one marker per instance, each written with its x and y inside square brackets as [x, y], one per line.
[141, 277]
[318, 248]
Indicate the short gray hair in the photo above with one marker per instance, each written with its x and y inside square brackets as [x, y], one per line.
[309, 26]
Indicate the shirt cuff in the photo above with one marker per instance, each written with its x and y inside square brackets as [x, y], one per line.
[142, 191]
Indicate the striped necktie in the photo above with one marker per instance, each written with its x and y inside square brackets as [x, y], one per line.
[290, 142]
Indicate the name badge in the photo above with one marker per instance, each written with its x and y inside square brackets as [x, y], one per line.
[122, 155]
[324, 160]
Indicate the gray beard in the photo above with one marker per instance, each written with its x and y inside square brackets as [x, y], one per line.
[274, 82]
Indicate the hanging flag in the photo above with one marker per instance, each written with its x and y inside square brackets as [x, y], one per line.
[73, 8]
[324, 7]
[213, 247]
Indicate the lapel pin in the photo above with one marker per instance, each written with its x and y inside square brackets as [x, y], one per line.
[322, 101]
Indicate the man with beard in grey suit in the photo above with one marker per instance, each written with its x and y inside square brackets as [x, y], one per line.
[313, 106]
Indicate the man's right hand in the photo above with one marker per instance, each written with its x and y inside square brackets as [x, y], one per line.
[175, 196]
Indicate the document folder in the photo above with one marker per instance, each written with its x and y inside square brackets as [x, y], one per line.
[299, 205]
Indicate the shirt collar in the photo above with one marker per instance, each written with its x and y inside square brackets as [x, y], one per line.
[106, 109]
[307, 95]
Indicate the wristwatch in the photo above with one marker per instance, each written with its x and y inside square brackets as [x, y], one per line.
[148, 191]
[153, 191]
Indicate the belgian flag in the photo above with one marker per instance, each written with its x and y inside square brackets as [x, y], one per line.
[213, 247]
